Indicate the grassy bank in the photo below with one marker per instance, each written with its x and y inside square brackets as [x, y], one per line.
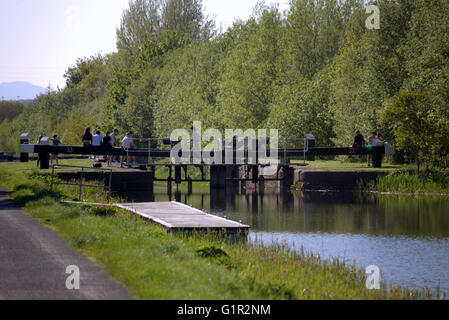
[155, 265]
[427, 182]
[401, 178]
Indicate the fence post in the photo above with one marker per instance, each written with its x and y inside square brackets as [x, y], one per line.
[149, 151]
[306, 149]
[81, 183]
[285, 151]
[52, 173]
[127, 158]
[110, 184]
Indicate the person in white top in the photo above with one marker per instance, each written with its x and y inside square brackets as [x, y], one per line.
[127, 144]
[377, 157]
[97, 139]
[377, 142]
[113, 136]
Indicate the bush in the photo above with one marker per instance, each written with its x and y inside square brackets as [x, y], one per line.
[417, 129]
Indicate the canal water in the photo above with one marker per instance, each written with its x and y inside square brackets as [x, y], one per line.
[406, 237]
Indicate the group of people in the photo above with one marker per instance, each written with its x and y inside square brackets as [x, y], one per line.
[374, 140]
[108, 141]
[96, 140]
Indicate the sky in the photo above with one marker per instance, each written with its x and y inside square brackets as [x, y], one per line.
[40, 40]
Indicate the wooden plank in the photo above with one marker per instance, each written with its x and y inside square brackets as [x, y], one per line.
[178, 216]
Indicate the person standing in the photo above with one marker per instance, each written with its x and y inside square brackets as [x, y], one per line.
[87, 138]
[38, 157]
[377, 142]
[370, 145]
[359, 140]
[127, 144]
[114, 136]
[377, 155]
[97, 139]
[56, 143]
[107, 143]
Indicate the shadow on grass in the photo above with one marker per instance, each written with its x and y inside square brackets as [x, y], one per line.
[100, 211]
[28, 192]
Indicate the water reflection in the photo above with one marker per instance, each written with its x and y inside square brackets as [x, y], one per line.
[407, 237]
[342, 213]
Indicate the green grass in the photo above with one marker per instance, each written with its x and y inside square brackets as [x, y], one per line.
[401, 178]
[347, 165]
[427, 182]
[154, 264]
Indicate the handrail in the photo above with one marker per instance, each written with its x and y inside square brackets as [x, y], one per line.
[147, 149]
[81, 184]
[305, 149]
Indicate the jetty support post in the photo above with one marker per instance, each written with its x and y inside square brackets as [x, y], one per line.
[287, 178]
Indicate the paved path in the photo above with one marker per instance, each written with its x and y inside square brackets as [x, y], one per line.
[33, 262]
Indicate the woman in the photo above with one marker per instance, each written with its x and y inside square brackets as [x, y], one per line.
[38, 158]
[87, 138]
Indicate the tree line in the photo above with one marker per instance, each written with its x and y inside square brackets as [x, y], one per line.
[314, 68]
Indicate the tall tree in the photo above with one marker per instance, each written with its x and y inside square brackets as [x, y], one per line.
[249, 70]
[149, 30]
[187, 89]
[10, 110]
[426, 53]
[369, 69]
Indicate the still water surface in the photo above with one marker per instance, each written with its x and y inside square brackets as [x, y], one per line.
[406, 237]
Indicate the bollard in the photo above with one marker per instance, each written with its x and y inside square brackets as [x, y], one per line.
[24, 157]
[44, 157]
[311, 144]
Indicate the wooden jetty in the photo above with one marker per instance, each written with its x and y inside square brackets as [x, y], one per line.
[178, 217]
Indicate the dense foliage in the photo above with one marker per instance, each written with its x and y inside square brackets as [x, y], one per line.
[314, 68]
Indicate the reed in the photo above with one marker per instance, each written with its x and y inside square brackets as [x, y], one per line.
[430, 181]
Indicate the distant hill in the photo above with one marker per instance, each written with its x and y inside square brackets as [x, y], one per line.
[20, 91]
[26, 102]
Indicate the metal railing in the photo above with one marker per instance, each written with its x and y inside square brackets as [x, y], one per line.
[292, 143]
[146, 145]
[81, 184]
[152, 145]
